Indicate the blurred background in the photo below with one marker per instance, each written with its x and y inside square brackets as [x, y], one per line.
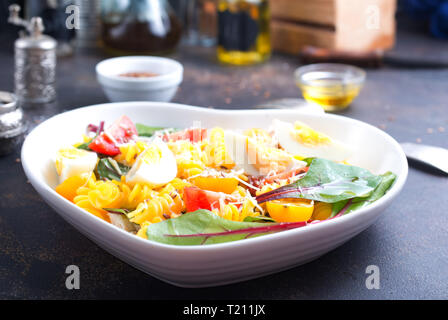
[199, 17]
[195, 22]
[238, 53]
[367, 33]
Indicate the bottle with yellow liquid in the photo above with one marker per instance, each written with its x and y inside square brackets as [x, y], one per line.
[243, 31]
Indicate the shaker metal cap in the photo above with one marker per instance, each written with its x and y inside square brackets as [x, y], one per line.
[7, 102]
[35, 28]
[11, 116]
[42, 42]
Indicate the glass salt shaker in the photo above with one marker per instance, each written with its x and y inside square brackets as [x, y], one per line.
[35, 61]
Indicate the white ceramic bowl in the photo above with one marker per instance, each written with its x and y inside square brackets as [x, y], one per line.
[211, 265]
[162, 87]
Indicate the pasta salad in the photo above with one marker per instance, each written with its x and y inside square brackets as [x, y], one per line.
[196, 186]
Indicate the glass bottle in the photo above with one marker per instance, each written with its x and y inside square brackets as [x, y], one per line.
[243, 31]
[139, 27]
[199, 21]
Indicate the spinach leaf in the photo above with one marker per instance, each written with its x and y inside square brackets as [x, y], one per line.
[387, 180]
[107, 169]
[146, 131]
[204, 227]
[327, 181]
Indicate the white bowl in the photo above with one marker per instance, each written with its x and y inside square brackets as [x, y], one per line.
[162, 87]
[218, 264]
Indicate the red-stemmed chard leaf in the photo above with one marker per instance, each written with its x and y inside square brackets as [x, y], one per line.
[91, 128]
[327, 181]
[204, 227]
[387, 181]
[247, 232]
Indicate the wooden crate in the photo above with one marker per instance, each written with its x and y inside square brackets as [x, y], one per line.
[346, 25]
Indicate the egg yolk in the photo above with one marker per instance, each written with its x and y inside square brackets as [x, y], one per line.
[152, 155]
[307, 136]
[259, 135]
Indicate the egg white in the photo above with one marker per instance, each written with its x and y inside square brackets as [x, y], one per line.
[335, 150]
[154, 174]
[76, 163]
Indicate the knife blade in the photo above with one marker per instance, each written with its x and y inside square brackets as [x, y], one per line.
[435, 157]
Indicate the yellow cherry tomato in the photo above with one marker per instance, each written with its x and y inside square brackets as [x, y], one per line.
[216, 184]
[290, 210]
[68, 188]
[322, 211]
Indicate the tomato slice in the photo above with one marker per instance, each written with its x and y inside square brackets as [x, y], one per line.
[104, 145]
[196, 199]
[122, 130]
[193, 135]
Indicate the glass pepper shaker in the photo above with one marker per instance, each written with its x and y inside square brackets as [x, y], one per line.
[35, 61]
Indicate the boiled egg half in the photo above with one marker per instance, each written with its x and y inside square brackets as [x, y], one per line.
[303, 141]
[72, 162]
[156, 166]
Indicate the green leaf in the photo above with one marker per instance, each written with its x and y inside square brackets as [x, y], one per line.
[205, 227]
[85, 146]
[258, 219]
[107, 169]
[387, 180]
[117, 211]
[308, 161]
[337, 207]
[146, 131]
[327, 181]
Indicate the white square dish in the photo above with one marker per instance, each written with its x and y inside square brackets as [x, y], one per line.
[217, 264]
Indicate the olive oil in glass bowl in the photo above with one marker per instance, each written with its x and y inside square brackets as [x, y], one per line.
[332, 86]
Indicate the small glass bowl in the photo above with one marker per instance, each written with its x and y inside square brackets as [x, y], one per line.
[331, 85]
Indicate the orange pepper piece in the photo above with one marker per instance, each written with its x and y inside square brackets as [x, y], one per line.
[68, 188]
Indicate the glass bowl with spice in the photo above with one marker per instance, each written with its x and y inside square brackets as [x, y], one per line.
[333, 86]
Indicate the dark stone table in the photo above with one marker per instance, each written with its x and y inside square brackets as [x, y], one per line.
[409, 243]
